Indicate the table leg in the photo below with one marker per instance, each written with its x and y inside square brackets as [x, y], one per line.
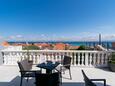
[48, 71]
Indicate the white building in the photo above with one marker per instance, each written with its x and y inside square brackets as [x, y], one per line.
[12, 48]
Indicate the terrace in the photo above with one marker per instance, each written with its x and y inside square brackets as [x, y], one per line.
[94, 63]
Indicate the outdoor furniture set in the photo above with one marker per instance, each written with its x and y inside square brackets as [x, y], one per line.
[52, 77]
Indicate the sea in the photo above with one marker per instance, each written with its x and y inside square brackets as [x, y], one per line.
[107, 44]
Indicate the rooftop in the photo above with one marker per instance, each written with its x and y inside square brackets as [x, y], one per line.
[10, 76]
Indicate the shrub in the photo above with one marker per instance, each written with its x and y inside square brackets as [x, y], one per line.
[30, 47]
[112, 60]
[82, 47]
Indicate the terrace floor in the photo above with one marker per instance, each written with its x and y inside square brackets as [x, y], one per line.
[10, 76]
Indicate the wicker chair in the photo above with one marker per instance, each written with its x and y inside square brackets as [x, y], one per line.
[25, 70]
[88, 82]
[66, 64]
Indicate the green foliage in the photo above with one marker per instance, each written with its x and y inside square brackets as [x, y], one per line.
[82, 47]
[31, 47]
[113, 57]
[112, 60]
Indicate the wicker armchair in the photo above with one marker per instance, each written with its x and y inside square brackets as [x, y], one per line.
[66, 64]
[25, 70]
[88, 82]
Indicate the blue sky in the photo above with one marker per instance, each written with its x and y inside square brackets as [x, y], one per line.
[57, 19]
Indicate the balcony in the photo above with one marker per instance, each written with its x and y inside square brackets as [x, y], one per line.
[9, 76]
[94, 63]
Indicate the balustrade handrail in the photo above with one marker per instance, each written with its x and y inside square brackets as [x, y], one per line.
[54, 51]
[79, 57]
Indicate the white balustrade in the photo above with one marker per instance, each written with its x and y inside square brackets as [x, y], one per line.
[79, 58]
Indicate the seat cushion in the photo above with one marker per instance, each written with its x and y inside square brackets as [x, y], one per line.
[32, 74]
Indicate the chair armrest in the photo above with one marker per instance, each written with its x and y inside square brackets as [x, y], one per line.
[63, 66]
[66, 65]
[98, 79]
[104, 80]
[32, 71]
[30, 61]
[60, 61]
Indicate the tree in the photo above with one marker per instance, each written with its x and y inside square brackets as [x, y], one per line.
[30, 47]
[81, 47]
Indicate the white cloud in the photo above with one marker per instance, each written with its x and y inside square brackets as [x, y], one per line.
[55, 37]
[108, 37]
[43, 35]
[12, 37]
[15, 37]
[1, 37]
[86, 33]
[19, 36]
[105, 27]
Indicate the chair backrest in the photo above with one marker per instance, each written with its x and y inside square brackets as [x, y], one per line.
[21, 68]
[26, 65]
[51, 79]
[88, 82]
[67, 62]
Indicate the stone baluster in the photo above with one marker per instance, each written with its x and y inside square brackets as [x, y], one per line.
[60, 57]
[70, 54]
[82, 59]
[78, 59]
[98, 59]
[74, 56]
[86, 59]
[94, 59]
[90, 59]
[106, 58]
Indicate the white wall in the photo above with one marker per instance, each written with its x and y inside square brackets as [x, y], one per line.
[1, 58]
[13, 48]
